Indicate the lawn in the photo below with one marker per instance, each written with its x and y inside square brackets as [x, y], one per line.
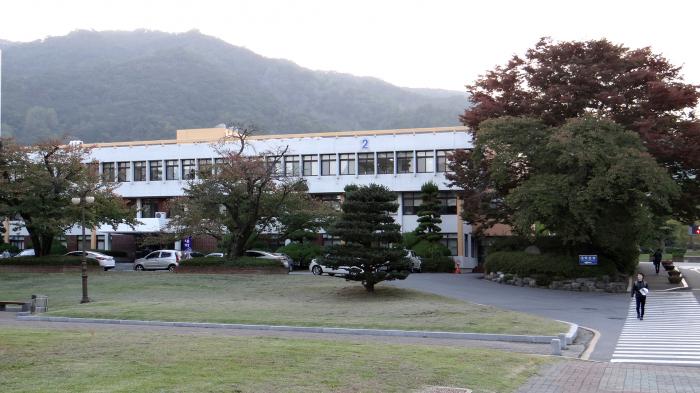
[265, 299]
[37, 360]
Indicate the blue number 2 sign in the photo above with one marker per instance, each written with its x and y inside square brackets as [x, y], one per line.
[365, 143]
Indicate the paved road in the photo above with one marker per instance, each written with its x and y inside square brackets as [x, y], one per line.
[667, 335]
[601, 311]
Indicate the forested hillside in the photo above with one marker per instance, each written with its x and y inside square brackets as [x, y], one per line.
[109, 86]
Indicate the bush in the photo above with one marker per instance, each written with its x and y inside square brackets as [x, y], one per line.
[57, 248]
[426, 249]
[234, 262]
[545, 266]
[409, 239]
[676, 252]
[8, 247]
[301, 253]
[51, 260]
[439, 264]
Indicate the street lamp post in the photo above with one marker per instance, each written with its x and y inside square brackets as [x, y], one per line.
[85, 200]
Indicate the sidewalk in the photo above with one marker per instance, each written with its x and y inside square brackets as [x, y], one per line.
[594, 377]
[656, 282]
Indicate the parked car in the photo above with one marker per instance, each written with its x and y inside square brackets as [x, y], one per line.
[192, 254]
[414, 260]
[318, 269]
[215, 255]
[106, 262]
[159, 259]
[285, 260]
[26, 253]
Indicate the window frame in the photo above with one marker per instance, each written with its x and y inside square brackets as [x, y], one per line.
[425, 158]
[172, 171]
[386, 157]
[159, 170]
[188, 171]
[405, 156]
[295, 169]
[312, 160]
[109, 176]
[332, 160]
[351, 160]
[140, 171]
[365, 161]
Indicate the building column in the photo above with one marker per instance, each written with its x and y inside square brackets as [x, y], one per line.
[6, 235]
[108, 241]
[460, 229]
[93, 239]
[139, 206]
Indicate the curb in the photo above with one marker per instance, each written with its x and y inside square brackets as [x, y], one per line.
[570, 335]
[586, 354]
[684, 287]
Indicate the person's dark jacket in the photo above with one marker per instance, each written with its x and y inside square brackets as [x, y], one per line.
[637, 286]
[657, 257]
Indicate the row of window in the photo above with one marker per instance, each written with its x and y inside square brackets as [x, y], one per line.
[383, 163]
[411, 202]
[448, 239]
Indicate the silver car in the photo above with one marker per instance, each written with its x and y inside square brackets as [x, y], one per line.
[159, 260]
[284, 259]
[106, 261]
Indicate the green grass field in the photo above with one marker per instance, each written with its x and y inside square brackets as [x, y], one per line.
[37, 360]
[265, 299]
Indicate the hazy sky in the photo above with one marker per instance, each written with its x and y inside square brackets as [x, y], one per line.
[432, 43]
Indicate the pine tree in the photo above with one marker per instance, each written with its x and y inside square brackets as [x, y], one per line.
[429, 214]
[369, 236]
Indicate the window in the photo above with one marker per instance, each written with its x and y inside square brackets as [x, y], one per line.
[171, 169]
[450, 241]
[149, 207]
[329, 240]
[448, 202]
[123, 171]
[291, 165]
[108, 172]
[328, 165]
[404, 162]
[17, 241]
[365, 162]
[385, 163]
[88, 241]
[218, 164]
[275, 163]
[443, 160]
[93, 168]
[424, 161]
[347, 164]
[332, 200]
[310, 163]
[188, 170]
[156, 168]
[204, 167]
[139, 170]
[411, 202]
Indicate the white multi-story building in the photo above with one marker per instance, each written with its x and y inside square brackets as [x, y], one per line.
[148, 173]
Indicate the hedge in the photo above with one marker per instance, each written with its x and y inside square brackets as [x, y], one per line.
[546, 265]
[437, 265]
[236, 262]
[51, 260]
[301, 253]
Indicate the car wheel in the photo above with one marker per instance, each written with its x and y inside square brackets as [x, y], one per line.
[316, 270]
[106, 269]
[171, 268]
[331, 274]
[138, 267]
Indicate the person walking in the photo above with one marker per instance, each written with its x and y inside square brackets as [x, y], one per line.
[658, 255]
[640, 289]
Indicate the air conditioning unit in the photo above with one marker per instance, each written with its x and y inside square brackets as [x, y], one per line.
[161, 215]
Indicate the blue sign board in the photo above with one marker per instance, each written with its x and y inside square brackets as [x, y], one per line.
[187, 244]
[588, 260]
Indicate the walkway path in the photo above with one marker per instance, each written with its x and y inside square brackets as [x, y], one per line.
[668, 333]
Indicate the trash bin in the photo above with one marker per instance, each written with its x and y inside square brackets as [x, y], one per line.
[40, 303]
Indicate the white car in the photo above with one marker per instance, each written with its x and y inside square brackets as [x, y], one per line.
[26, 253]
[215, 255]
[317, 269]
[158, 260]
[284, 259]
[106, 262]
[414, 260]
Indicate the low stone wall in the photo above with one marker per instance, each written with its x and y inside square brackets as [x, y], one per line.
[46, 269]
[183, 268]
[603, 284]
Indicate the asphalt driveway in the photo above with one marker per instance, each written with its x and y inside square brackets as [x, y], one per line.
[603, 312]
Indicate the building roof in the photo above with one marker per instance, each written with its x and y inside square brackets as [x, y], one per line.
[210, 135]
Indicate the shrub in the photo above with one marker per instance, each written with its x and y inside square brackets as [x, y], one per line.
[51, 260]
[545, 265]
[440, 264]
[57, 248]
[676, 252]
[234, 262]
[409, 239]
[301, 253]
[426, 249]
[8, 247]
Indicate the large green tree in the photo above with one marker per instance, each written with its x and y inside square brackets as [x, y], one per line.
[370, 237]
[241, 199]
[589, 181]
[636, 88]
[38, 183]
[429, 219]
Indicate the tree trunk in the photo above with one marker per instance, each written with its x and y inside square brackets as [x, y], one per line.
[369, 285]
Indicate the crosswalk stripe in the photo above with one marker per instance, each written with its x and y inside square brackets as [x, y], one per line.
[667, 335]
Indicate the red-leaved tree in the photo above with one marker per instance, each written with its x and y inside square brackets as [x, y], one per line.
[636, 88]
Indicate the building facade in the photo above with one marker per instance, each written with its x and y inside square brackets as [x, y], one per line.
[149, 173]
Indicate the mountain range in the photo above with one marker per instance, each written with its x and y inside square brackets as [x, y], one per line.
[119, 86]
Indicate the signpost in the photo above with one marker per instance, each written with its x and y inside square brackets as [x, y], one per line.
[187, 244]
[588, 260]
